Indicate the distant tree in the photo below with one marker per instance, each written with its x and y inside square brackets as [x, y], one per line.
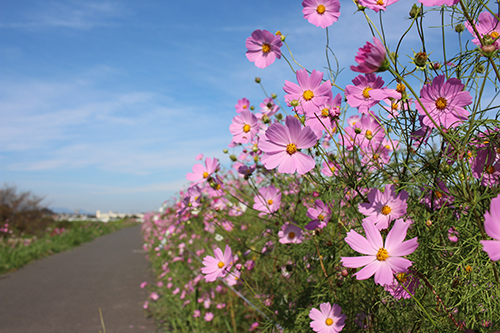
[23, 211]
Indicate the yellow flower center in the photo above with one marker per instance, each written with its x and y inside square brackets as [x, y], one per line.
[380, 2]
[221, 264]
[438, 194]
[386, 210]
[321, 217]
[321, 9]
[494, 35]
[441, 103]
[401, 277]
[366, 92]
[329, 322]
[489, 169]
[270, 202]
[246, 128]
[382, 254]
[325, 112]
[400, 88]
[266, 48]
[278, 33]
[308, 95]
[244, 106]
[291, 235]
[205, 174]
[368, 135]
[375, 156]
[291, 148]
[468, 268]
[394, 106]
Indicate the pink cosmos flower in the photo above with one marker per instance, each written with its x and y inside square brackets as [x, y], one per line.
[290, 234]
[219, 265]
[408, 280]
[268, 200]
[263, 48]
[489, 29]
[208, 316]
[154, 296]
[321, 13]
[268, 107]
[320, 215]
[328, 319]
[383, 207]
[382, 259]
[330, 168]
[202, 173]
[492, 228]
[243, 104]
[376, 5]
[244, 127]
[324, 117]
[282, 145]
[430, 3]
[310, 92]
[453, 235]
[367, 92]
[444, 101]
[371, 58]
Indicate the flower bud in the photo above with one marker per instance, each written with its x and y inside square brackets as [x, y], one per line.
[225, 151]
[257, 79]
[252, 108]
[294, 103]
[421, 59]
[274, 96]
[265, 119]
[479, 68]
[415, 11]
[233, 158]
[459, 28]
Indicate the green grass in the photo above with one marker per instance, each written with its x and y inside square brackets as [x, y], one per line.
[76, 233]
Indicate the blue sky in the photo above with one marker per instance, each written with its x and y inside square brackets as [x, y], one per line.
[105, 104]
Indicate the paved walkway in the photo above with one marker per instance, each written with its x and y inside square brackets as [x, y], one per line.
[63, 293]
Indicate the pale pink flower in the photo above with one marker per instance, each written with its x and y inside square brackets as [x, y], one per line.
[367, 91]
[263, 48]
[268, 108]
[328, 319]
[290, 234]
[268, 200]
[376, 5]
[444, 102]
[143, 284]
[154, 296]
[492, 228]
[208, 316]
[244, 127]
[203, 173]
[196, 313]
[282, 144]
[382, 259]
[321, 13]
[371, 58]
[488, 28]
[217, 266]
[383, 207]
[243, 104]
[319, 214]
[310, 92]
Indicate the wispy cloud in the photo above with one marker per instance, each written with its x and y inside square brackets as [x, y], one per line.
[72, 14]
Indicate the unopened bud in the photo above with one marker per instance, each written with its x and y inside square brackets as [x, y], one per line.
[257, 79]
[233, 158]
[265, 119]
[279, 116]
[436, 65]
[415, 11]
[459, 28]
[274, 96]
[252, 108]
[294, 103]
[421, 59]
[225, 151]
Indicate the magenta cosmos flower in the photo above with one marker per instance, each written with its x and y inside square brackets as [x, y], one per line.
[383, 207]
[444, 101]
[310, 92]
[244, 127]
[487, 26]
[282, 144]
[217, 266]
[319, 214]
[263, 48]
[328, 319]
[201, 173]
[371, 58]
[382, 259]
[367, 91]
[321, 13]
[290, 234]
[268, 200]
[243, 104]
[376, 5]
[492, 228]
[430, 3]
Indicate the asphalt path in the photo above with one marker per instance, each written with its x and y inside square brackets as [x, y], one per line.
[63, 292]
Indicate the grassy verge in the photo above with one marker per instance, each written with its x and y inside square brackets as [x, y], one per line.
[16, 252]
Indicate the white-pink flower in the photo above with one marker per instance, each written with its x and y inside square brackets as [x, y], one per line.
[384, 259]
[492, 228]
[219, 265]
[328, 319]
